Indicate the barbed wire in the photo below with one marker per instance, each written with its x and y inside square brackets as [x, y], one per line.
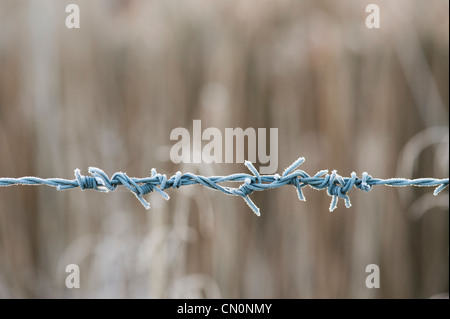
[336, 185]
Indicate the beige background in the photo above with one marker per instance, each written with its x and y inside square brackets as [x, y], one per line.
[108, 95]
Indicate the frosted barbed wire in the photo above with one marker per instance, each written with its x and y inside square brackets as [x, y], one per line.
[336, 185]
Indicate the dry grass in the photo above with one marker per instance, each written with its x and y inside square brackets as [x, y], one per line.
[108, 95]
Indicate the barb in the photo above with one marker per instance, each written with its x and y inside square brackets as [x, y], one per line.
[336, 185]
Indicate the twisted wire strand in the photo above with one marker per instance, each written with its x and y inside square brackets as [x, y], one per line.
[335, 185]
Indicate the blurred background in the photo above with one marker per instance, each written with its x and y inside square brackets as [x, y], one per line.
[108, 95]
